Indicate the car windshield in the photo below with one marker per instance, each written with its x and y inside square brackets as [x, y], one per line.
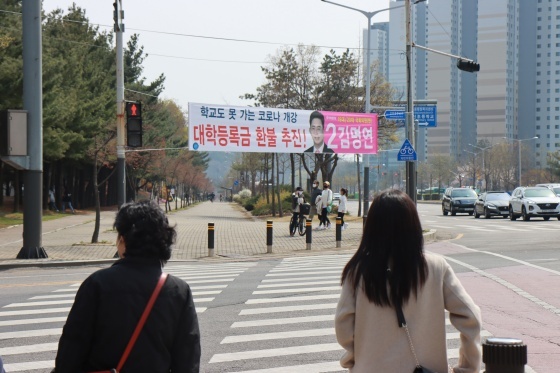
[464, 193]
[540, 192]
[498, 197]
[556, 190]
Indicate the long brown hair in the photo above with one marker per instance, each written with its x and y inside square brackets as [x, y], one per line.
[392, 240]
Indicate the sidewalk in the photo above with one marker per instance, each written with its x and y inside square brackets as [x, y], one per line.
[237, 235]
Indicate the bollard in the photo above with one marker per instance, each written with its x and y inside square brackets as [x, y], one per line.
[504, 355]
[210, 239]
[269, 236]
[308, 231]
[338, 232]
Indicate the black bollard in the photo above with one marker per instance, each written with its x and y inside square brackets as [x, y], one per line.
[269, 236]
[210, 239]
[308, 233]
[504, 355]
[338, 232]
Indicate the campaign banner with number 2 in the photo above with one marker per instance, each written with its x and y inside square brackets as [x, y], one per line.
[270, 130]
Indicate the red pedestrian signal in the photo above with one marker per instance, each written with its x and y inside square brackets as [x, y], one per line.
[133, 124]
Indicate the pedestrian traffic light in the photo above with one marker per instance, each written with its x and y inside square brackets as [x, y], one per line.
[468, 66]
[133, 124]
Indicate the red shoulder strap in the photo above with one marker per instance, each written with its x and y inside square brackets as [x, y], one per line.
[142, 321]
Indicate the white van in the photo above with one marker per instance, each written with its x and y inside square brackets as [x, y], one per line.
[555, 187]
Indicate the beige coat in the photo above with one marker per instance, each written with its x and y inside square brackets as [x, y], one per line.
[374, 342]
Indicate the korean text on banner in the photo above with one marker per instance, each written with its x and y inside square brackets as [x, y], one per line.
[256, 129]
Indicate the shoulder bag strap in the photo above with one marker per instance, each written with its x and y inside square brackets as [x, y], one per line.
[142, 321]
[402, 324]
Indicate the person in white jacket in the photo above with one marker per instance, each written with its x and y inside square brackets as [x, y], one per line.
[326, 200]
[390, 271]
[342, 209]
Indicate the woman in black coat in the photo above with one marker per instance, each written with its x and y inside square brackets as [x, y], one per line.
[110, 302]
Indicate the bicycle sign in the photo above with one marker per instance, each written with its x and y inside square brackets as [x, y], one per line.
[407, 152]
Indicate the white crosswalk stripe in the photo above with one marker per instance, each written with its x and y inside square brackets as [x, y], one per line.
[33, 327]
[279, 325]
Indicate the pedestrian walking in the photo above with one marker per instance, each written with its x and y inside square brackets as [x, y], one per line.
[390, 316]
[2, 366]
[342, 209]
[52, 204]
[315, 192]
[67, 201]
[109, 303]
[326, 200]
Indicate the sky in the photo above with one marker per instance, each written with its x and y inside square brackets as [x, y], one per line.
[202, 69]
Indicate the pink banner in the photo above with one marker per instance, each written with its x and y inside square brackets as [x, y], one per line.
[351, 132]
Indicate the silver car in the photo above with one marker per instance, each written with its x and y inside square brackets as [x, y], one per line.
[530, 202]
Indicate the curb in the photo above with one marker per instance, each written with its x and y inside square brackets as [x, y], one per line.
[46, 263]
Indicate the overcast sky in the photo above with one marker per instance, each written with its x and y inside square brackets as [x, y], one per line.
[196, 68]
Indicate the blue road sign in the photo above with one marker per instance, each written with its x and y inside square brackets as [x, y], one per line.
[236, 182]
[424, 115]
[407, 152]
[395, 114]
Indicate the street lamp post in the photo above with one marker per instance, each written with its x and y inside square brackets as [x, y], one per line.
[483, 165]
[519, 155]
[369, 16]
[474, 166]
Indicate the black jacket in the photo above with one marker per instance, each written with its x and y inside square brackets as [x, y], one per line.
[315, 192]
[106, 310]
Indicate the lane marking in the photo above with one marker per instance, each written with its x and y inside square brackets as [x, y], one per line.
[338, 271]
[265, 286]
[331, 366]
[31, 333]
[32, 321]
[278, 335]
[303, 290]
[34, 312]
[284, 321]
[296, 279]
[25, 367]
[283, 351]
[308, 307]
[28, 349]
[292, 299]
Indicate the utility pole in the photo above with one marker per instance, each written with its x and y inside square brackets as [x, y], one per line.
[410, 165]
[118, 16]
[33, 104]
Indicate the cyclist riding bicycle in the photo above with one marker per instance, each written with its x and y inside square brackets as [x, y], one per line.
[297, 215]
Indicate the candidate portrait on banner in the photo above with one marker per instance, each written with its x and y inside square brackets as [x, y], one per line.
[317, 131]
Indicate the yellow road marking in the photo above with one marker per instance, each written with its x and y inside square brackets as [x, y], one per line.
[38, 284]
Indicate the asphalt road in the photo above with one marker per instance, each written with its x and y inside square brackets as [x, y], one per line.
[276, 314]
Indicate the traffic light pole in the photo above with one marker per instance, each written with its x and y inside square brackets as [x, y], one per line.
[121, 160]
[410, 165]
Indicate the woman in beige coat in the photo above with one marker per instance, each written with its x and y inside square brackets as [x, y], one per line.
[390, 270]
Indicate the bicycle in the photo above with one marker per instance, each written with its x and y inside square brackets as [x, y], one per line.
[299, 226]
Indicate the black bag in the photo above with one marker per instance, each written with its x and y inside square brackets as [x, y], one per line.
[304, 208]
[421, 369]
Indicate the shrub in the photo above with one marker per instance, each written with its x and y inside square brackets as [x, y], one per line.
[245, 193]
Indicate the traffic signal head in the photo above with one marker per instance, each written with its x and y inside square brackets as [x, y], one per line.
[468, 66]
[133, 124]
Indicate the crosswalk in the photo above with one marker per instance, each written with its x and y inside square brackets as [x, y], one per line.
[287, 324]
[30, 330]
[493, 225]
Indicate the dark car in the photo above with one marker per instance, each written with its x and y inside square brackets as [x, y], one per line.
[458, 200]
[492, 204]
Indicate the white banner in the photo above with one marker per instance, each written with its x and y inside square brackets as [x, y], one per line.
[267, 130]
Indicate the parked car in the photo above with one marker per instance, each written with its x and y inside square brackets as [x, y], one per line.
[492, 204]
[555, 187]
[530, 202]
[336, 197]
[458, 200]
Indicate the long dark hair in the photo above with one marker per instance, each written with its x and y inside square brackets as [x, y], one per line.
[392, 239]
